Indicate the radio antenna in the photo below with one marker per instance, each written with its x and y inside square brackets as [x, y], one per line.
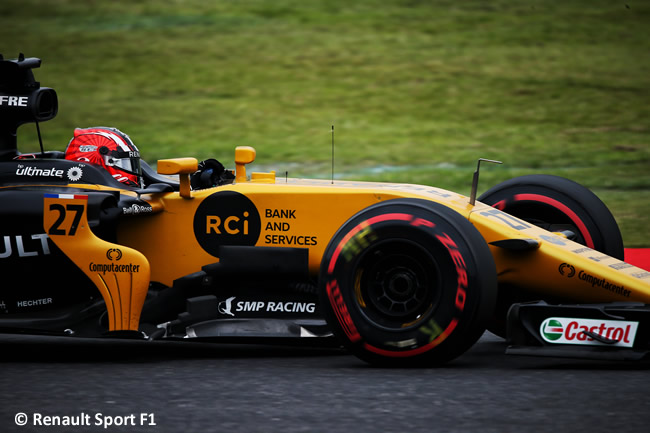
[332, 154]
[40, 140]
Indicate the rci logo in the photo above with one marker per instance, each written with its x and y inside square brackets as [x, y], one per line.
[552, 329]
[567, 269]
[232, 225]
[226, 218]
[114, 254]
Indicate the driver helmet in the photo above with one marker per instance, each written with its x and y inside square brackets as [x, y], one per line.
[109, 148]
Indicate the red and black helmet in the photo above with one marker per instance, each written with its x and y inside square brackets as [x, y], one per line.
[109, 148]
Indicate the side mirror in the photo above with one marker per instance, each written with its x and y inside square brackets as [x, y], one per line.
[243, 155]
[183, 167]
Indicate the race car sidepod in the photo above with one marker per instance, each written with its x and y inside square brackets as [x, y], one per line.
[617, 331]
[121, 274]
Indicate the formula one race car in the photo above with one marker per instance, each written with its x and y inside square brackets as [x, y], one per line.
[103, 245]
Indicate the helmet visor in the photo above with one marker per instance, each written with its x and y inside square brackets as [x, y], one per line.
[125, 161]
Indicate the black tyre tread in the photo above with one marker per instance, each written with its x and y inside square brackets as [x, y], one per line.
[599, 221]
[599, 217]
[478, 314]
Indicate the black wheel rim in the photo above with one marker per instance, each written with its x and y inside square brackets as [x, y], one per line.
[397, 284]
[545, 217]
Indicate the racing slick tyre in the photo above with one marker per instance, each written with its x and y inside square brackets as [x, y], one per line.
[407, 282]
[554, 204]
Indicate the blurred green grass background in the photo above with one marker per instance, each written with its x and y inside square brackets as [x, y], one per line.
[417, 90]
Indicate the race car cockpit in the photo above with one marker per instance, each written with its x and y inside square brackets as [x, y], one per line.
[98, 155]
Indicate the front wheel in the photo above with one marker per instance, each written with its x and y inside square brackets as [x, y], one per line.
[407, 282]
[555, 204]
[558, 204]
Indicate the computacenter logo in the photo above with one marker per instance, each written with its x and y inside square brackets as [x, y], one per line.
[102, 268]
[567, 269]
[602, 282]
[114, 255]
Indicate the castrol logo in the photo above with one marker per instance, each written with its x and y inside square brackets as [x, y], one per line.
[565, 330]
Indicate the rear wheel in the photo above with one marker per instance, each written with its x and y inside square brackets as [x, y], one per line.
[554, 204]
[408, 282]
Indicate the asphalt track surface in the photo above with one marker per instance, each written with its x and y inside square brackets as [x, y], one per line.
[230, 388]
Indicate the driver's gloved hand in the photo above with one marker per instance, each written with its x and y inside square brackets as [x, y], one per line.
[210, 173]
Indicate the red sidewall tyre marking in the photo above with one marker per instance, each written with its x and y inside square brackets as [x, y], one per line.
[446, 333]
[395, 280]
[361, 226]
[341, 311]
[568, 212]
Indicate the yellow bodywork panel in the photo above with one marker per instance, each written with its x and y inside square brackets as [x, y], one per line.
[121, 274]
[295, 213]
[180, 236]
[558, 267]
[306, 214]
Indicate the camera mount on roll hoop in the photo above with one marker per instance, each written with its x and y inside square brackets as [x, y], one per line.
[22, 100]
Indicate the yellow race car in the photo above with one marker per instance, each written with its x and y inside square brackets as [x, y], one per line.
[399, 274]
